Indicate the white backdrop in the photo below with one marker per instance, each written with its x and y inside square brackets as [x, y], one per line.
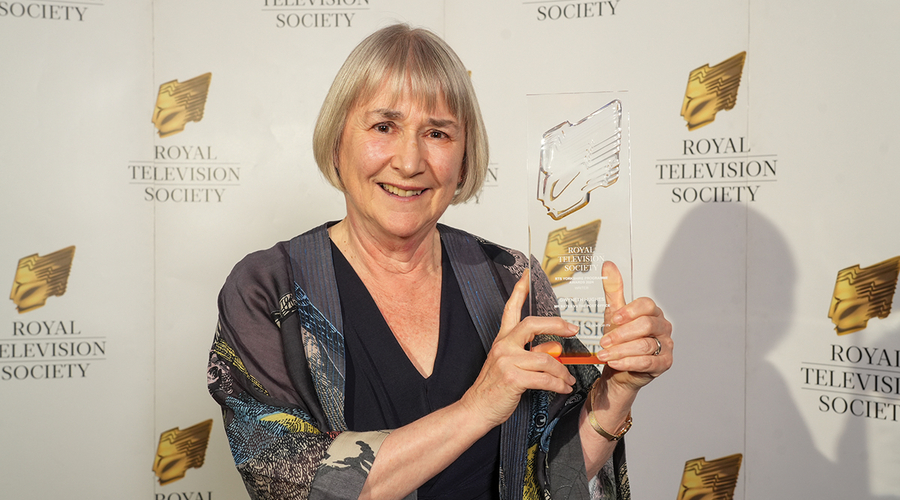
[746, 283]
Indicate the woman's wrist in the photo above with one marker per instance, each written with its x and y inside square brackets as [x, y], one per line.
[608, 409]
[612, 434]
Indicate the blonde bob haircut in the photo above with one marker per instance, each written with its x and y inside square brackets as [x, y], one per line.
[403, 59]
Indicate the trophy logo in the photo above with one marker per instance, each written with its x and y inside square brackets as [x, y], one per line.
[710, 90]
[180, 450]
[38, 278]
[863, 293]
[713, 480]
[577, 159]
[570, 251]
[179, 103]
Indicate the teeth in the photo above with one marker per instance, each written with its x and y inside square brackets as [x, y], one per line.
[400, 192]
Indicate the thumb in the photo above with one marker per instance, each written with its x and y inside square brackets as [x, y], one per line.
[614, 289]
[552, 348]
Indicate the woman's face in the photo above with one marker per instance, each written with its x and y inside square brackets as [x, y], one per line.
[400, 165]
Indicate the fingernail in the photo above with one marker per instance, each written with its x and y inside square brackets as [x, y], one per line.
[605, 342]
[603, 356]
[572, 328]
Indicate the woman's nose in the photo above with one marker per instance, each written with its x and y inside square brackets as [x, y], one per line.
[409, 156]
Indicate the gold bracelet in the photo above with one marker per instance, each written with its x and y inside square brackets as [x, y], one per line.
[596, 425]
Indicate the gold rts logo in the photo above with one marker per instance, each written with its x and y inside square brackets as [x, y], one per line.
[38, 278]
[863, 293]
[712, 89]
[180, 450]
[570, 251]
[712, 480]
[179, 103]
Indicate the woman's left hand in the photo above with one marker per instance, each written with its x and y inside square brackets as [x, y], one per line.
[637, 344]
[637, 348]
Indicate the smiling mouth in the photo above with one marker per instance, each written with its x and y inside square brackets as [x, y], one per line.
[400, 192]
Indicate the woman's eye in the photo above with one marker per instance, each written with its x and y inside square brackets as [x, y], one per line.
[383, 127]
[437, 134]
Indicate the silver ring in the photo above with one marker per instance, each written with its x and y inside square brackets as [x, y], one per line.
[658, 346]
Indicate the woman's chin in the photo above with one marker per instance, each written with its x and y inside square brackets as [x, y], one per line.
[405, 226]
[393, 225]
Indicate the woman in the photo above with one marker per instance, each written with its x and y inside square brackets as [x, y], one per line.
[384, 356]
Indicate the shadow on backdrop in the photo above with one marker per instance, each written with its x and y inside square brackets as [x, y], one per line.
[727, 282]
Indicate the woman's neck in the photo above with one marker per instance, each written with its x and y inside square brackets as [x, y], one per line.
[386, 256]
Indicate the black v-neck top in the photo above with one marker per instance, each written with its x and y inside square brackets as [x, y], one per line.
[384, 390]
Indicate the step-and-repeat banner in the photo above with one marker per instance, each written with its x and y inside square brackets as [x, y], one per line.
[146, 146]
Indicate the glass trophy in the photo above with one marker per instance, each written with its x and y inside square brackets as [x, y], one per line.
[579, 207]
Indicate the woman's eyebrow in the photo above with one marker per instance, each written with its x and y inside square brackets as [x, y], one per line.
[441, 123]
[393, 114]
[388, 114]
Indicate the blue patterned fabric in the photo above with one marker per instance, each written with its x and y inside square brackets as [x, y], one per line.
[277, 368]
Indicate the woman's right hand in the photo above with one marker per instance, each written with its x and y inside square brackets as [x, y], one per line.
[416, 452]
[511, 369]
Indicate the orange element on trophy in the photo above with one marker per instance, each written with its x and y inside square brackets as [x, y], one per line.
[180, 450]
[579, 358]
[38, 278]
[712, 89]
[573, 358]
[179, 103]
[713, 480]
[570, 251]
[863, 293]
